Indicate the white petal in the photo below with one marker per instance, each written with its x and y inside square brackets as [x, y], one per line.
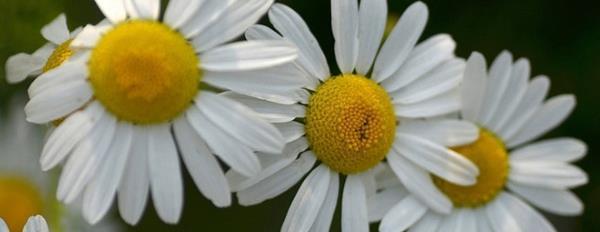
[380, 203]
[344, 25]
[473, 86]
[403, 215]
[293, 28]
[446, 132]
[291, 130]
[526, 217]
[500, 217]
[323, 221]
[372, 20]
[45, 51]
[273, 84]
[277, 183]
[113, 10]
[261, 32]
[272, 112]
[550, 115]
[3, 226]
[443, 104]
[461, 220]
[202, 165]
[499, 77]
[165, 174]
[232, 23]
[100, 194]
[58, 77]
[425, 57]
[561, 202]
[273, 165]
[429, 222]
[240, 122]
[441, 79]
[401, 41]
[354, 205]
[559, 149]
[144, 9]
[528, 105]
[56, 31]
[547, 174]
[515, 90]
[483, 223]
[197, 16]
[437, 159]
[20, 66]
[179, 12]
[240, 157]
[64, 138]
[85, 159]
[308, 201]
[248, 55]
[133, 192]
[386, 178]
[57, 102]
[419, 183]
[87, 38]
[34, 224]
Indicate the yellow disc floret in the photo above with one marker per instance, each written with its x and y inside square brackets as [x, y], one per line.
[58, 56]
[144, 72]
[489, 155]
[350, 123]
[18, 201]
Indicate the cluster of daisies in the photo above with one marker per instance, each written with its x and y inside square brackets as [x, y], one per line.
[406, 134]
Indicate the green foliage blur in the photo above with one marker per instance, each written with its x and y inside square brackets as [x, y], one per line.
[560, 37]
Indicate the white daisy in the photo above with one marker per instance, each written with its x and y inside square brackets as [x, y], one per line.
[132, 100]
[49, 56]
[353, 121]
[511, 112]
[24, 189]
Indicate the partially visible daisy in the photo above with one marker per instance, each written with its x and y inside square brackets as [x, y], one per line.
[24, 189]
[135, 96]
[510, 111]
[353, 121]
[51, 55]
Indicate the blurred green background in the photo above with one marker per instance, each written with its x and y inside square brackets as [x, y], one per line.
[560, 37]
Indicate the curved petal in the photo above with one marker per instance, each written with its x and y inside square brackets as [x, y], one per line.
[308, 201]
[133, 192]
[113, 10]
[201, 164]
[344, 25]
[248, 55]
[292, 27]
[473, 86]
[446, 132]
[372, 20]
[354, 205]
[401, 41]
[20, 66]
[403, 215]
[165, 174]
[558, 149]
[561, 202]
[56, 31]
[499, 77]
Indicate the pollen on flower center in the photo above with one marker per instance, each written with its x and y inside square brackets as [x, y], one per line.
[144, 72]
[489, 155]
[350, 123]
[58, 56]
[18, 201]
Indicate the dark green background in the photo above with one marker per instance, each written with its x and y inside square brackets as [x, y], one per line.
[560, 37]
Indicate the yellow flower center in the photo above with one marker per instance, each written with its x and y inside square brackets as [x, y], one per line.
[490, 156]
[144, 72]
[350, 123]
[19, 200]
[58, 56]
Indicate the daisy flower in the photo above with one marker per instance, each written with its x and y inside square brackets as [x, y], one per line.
[510, 111]
[351, 122]
[46, 58]
[135, 95]
[25, 189]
